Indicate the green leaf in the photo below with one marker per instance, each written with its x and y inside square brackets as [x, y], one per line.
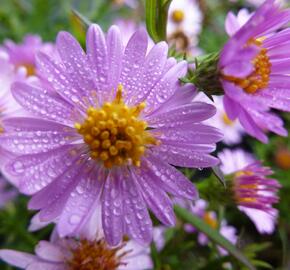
[156, 18]
[82, 19]
[214, 235]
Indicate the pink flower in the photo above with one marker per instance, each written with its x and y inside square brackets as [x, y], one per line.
[24, 54]
[254, 192]
[255, 70]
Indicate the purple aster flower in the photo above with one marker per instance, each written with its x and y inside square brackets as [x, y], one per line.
[109, 125]
[23, 54]
[255, 71]
[6, 194]
[73, 254]
[254, 192]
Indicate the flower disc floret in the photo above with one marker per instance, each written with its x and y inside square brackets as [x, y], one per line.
[97, 255]
[115, 134]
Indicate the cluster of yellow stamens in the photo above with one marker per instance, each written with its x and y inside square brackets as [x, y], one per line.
[250, 188]
[95, 255]
[177, 16]
[115, 134]
[259, 78]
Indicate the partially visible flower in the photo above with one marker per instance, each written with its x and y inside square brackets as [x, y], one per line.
[74, 254]
[109, 125]
[6, 194]
[8, 106]
[184, 25]
[200, 208]
[260, 2]
[159, 237]
[232, 130]
[255, 67]
[24, 54]
[282, 158]
[254, 192]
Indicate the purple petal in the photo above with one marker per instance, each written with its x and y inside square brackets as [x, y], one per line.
[16, 258]
[58, 189]
[231, 24]
[251, 127]
[153, 69]
[77, 67]
[232, 108]
[184, 95]
[166, 87]
[98, 58]
[33, 172]
[155, 198]
[137, 220]
[133, 63]
[115, 56]
[31, 135]
[43, 103]
[46, 266]
[184, 157]
[189, 113]
[49, 252]
[112, 209]
[171, 180]
[61, 81]
[189, 134]
[238, 69]
[80, 203]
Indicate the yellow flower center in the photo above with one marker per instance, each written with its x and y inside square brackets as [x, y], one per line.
[177, 16]
[227, 120]
[250, 188]
[95, 255]
[259, 78]
[115, 134]
[211, 221]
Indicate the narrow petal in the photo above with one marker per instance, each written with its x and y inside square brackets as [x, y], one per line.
[80, 202]
[251, 127]
[30, 135]
[75, 60]
[156, 199]
[185, 157]
[133, 63]
[49, 252]
[112, 209]
[98, 59]
[43, 103]
[154, 65]
[115, 56]
[171, 180]
[192, 112]
[16, 258]
[137, 220]
[166, 86]
[34, 172]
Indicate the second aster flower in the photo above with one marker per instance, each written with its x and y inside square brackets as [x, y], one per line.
[254, 66]
[109, 125]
